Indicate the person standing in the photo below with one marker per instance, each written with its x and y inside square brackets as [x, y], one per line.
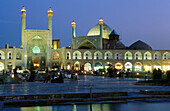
[47, 78]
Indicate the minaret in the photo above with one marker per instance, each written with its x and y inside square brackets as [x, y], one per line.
[73, 24]
[23, 25]
[101, 31]
[50, 15]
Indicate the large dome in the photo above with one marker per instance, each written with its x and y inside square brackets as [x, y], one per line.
[120, 45]
[117, 45]
[139, 45]
[95, 31]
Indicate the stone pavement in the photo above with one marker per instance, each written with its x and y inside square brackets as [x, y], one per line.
[98, 84]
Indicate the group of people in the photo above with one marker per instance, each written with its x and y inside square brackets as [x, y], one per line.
[54, 79]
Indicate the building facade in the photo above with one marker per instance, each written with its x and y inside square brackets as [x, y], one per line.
[100, 49]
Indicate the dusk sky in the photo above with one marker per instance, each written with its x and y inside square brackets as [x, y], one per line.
[146, 20]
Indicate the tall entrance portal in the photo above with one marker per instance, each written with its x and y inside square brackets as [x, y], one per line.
[37, 52]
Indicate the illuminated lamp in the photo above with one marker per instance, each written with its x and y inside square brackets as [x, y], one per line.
[137, 73]
[12, 75]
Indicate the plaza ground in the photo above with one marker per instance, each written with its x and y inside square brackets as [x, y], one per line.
[97, 83]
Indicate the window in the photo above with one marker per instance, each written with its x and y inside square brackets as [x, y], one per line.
[117, 56]
[146, 56]
[76, 56]
[68, 56]
[136, 56]
[107, 56]
[165, 56]
[86, 56]
[156, 57]
[9, 55]
[97, 56]
[127, 56]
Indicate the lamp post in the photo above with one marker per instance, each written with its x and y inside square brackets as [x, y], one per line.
[12, 76]
[76, 74]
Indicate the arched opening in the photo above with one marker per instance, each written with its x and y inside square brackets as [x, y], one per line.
[9, 66]
[9, 55]
[147, 56]
[77, 66]
[68, 55]
[2, 55]
[36, 45]
[128, 66]
[166, 66]
[87, 67]
[166, 56]
[138, 56]
[98, 66]
[157, 56]
[108, 55]
[77, 55]
[55, 56]
[36, 62]
[87, 45]
[68, 66]
[18, 56]
[118, 55]
[97, 55]
[1, 66]
[138, 66]
[87, 55]
[119, 66]
[62, 66]
[147, 67]
[108, 65]
[128, 55]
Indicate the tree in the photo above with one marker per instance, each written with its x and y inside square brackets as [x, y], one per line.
[168, 74]
[110, 71]
[157, 74]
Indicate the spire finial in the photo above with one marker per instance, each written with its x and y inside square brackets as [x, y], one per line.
[73, 24]
[50, 12]
[23, 11]
[101, 21]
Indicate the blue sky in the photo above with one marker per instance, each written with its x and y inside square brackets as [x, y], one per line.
[146, 20]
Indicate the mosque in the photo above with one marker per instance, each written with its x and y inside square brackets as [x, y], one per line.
[100, 49]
